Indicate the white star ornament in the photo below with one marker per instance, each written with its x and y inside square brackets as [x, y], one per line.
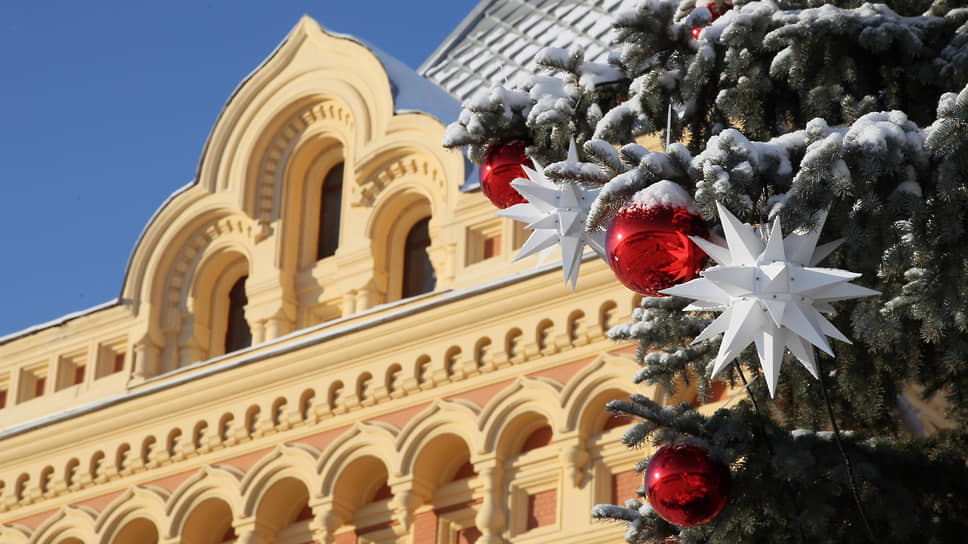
[556, 213]
[770, 294]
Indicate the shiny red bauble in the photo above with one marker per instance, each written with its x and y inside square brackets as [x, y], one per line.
[648, 246]
[501, 165]
[684, 486]
[713, 10]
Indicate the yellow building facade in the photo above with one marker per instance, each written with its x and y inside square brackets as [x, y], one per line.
[323, 339]
[266, 377]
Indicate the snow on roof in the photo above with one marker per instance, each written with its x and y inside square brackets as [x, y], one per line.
[59, 321]
[413, 92]
[501, 38]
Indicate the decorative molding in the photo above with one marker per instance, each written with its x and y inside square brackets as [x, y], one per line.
[276, 156]
[187, 259]
[368, 188]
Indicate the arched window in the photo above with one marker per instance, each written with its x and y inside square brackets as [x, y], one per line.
[330, 201]
[418, 274]
[237, 332]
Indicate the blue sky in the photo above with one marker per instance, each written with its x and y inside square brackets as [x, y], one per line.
[105, 107]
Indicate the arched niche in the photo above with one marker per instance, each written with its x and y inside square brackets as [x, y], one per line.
[206, 251]
[69, 525]
[362, 495]
[443, 469]
[389, 227]
[518, 410]
[596, 420]
[133, 517]
[525, 432]
[204, 336]
[361, 482]
[283, 505]
[210, 522]
[137, 531]
[310, 163]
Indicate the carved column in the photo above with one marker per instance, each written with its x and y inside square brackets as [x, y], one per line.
[364, 297]
[251, 531]
[271, 309]
[327, 519]
[491, 518]
[278, 324]
[258, 330]
[146, 355]
[192, 342]
[349, 302]
[408, 495]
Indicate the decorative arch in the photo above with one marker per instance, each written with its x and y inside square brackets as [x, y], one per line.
[14, 534]
[374, 439]
[226, 256]
[394, 166]
[606, 373]
[298, 461]
[397, 210]
[309, 127]
[314, 85]
[138, 531]
[525, 395]
[136, 503]
[221, 483]
[454, 417]
[70, 523]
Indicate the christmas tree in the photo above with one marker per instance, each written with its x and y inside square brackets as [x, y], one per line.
[804, 119]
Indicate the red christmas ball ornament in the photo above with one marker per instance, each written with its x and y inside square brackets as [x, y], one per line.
[713, 10]
[502, 165]
[647, 243]
[684, 486]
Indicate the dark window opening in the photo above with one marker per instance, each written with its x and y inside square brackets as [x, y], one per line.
[329, 210]
[492, 246]
[418, 274]
[237, 332]
[79, 375]
[39, 386]
[119, 362]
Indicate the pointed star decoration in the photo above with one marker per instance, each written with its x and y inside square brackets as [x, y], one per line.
[770, 293]
[556, 213]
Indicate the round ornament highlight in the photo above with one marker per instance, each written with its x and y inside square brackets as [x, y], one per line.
[714, 11]
[685, 487]
[647, 243]
[501, 165]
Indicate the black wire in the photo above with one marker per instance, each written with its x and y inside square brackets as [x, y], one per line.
[769, 446]
[756, 407]
[847, 463]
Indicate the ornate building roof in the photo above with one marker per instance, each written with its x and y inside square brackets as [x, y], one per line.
[501, 38]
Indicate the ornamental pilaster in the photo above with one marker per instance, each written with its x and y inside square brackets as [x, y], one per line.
[353, 276]
[491, 517]
[408, 495]
[327, 519]
[146, 358]
[252, 531]
[271, 310]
